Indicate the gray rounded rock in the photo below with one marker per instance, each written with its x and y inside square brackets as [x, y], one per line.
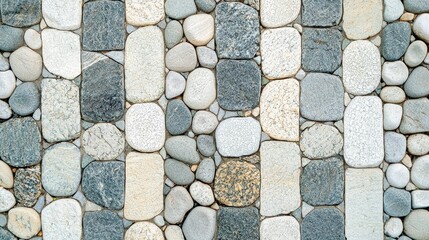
[397, 202]
[25, 99]
[415, 53]
[178, 172]
[416, 6]
[417, 84]
[6, 235]
[200, 224]
[177, 203]
[102, 225]
[178, 117]
[206, 170]
[206, 5]
[11, 38]
[206, 145]
[395, 145]
[182, 148]
[179, 9]
[323, 223]
[394, 40]
[173, 33]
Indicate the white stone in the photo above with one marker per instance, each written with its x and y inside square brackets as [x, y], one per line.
[26, 64]
[202, 193]
[62, 15]
[280, 52]
[421, 27]
[7, 84]
[398, 175]
[175, 84]
[274, 13]
[364, 204]
[61, 170]
[204, 122]
[7, 200]
[418, 144]
[200, 89]
[177, 203]
[420, 198]
[4, 63]
[32, 39]
[144, 65]
[103, 141]
[321, 141]
[284, 227]
[393, 227]
[5, 111]
[280, 109]
[394, 73]
[60, 110]
[181, 58]
[238, 136]
[363, 132]
[392, 114]
[361, 67]
[419, 172]
[206, 57]
[6, 176]
[144, 182]
[392, 95]
[199, 29]
[62, 220]
[144, 12]
[144, 231]
[280, 176]
[174, 232]
[362, 19]
[145, 127]
[393, 10]
[23, 222]
[415, 53]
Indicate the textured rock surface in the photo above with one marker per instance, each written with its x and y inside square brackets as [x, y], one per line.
[200, 224]
[323, 223]
[274, 14]
[199, 28]
[150, 230]
[173, 33]
[321, 141]
[415, 118]
[102, 225]
[62, 220]
[12, 38]
[321, 13]
[62, 15]
[395, 40]
[103, 141]
[21, 13]
[177, 203]
[23, 222]
[200, 89]
[354, 13]
[238, 223]
[27, 186]
[397, 202]
[25, 99]
[142, 13]
[280, 227]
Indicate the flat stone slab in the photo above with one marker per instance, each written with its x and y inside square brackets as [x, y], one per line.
[280, 175]
[21, 13]
[323, 223]
[415, 118]
[275, 14]
[354, 13]
[142, 13]
[321, 141]
[62, 220]
[102, 225]
[150, 230]
[363, 132]
[62, 15]
[280, 227]
[319, 13]
[103, 141]
[238, 223]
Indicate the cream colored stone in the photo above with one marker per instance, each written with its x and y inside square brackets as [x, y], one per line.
[181, 58]
[26, 64]
[144, 12]
[277, 13]
[23, 222]
[200, 89]
[199, 29]
[276, 228]
[6, 176]
[144, 231]
[362, 18]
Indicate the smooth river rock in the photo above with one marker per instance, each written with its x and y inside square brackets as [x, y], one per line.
[321, 141]
[275, 14]
[354, 13]
[62, 15]
[415, 118]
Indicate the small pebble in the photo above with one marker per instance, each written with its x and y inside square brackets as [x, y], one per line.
[394, 73]
[415, 53]
[393, 227]
[206, 170]
[32, 39]
[398, 175]
[202, 193]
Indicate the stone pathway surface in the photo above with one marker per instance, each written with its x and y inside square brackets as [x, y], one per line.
[214, 119]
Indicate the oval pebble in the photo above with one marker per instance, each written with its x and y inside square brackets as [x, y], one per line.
[398, 175]
[204, 122]
[206, 170]
[5, 111]
[394, 73]
[173, 33]
[7, 84]
[416, 224]
[417, 84]
[393, 227]
[25, 99]
[23, 222]
[181, 58]
[421, 27]
[178, 117]
[200, 89]
[199, 29]
[202, 193]
[7, 200]
[178, 172]
[418, 144]
[415, 53]
[175, 84]
[26, 64]
[32, 39]
[393, 10]
[419, 172]
[6, 176]
[392, 94]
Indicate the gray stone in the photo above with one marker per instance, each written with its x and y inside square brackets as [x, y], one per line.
[200, 224]
[104, 183]
[207, 57]
[322, 97]
[416, 6]
[20, 142]
[237, 30]
[206, 145]
[415, 224]
[3, 221]
[21, 13]
[393, 10]
[173, 33]
[415, 53]
[417, 84]
[27, 185]
[6, 235]
[182, 148]
[25, 99]
[206, 5]
[102, 225]
[395, 145]
[320, 13]
[321, 49]
[238, 223]
[397, 202]
[177, 203]
[395, 38]
[178, 117]
[415, 118]
[103, 25]
[4, 63]
[102, 94]
[179, 9]
[322, 182]
[178, 172]
[206, 170]
[238, 84]
[321, 141]
[323, 223]
[12, 38]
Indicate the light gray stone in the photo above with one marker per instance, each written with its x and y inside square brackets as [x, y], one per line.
[392, 94]
[200, 224]
[6, 176]
[182, 148]
[181, 58]
[417, 84]
[62, 15]
[103, 141]
[32, 39]
[415, 53]
[7, 200]
[150, 230]
[354, 13]
[421, 27]
[394, 147]
[204, 122]
[420, 198]
[206, 170]
[62, 220]
[321, 141]
[200, 89]
[26, 64]
[274, 14]
[142, 13]
[415, 118]
[175, 84]
[177, 203]
[7, 84]
[198, 28]
[419, 171]
[207, 57]
[202, 193]
[5, 111]
[397, 175]
[179, 9]
[280, 227]
[418, 144]
[393, 10]
[392, 115]
[23, 222]
[178, 172]
[415, 224]
[173, 33]
[394, 73]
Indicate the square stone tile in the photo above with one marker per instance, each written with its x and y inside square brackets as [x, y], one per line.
[321, 13]
[238, 223]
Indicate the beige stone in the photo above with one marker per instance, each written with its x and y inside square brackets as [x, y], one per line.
[144, 231]
[26, 64]
[200, 89]
[276, 228]
[181, 58]
[144, 12]
[362, 18]
[23, 222]
[6, 176]
[199, 29]
[277, 13]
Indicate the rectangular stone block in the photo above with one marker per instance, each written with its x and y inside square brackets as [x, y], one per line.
[364, 204]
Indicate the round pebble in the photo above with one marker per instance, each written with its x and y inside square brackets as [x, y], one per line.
[204, 122]
[392, 94]
[177, 203]
[419, 172]
[7, 84]
[150, 230]
[392, 116]
[181, 58]
[23, 222]
[397, 202]
[7, 200]
[25, 99]
[182, 148]
[207, 57]
[206, 170]
[175, 84]
[103, 141]
[393, 10]
[178, 117]
[26, 64]
[398, 175]
[173, 33]
[4, 63]
[416, 224]
[179, 9]
[421, 27]
[200, 89]
[178, 172]
[6, 176]
[202, 193]
[206, 5]
[199, 29]
[206, 145]
[394, 73]
[417, 84]
[393, 227]
[415, 53]
[32, 39]
[200, 224]
[394, 146]
[174, 232]
[12, 38]
[418, 144]
[5, 111]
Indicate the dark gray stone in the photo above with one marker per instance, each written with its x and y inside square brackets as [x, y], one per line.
[415, 117]
[417, 84]
[397, 202]
[321, 50]
[104, 224]
[323, 223]
[27, 185]
[321, 13]
[103, 25]
[104, 182]
[238, 84]
[395, 39]
[25, 99]
[416, 6]
[178, 117]
[395, 145]
[11, 38]
[237, 30]
[238, 223]
[6, 235]
[206, 5]
[178, 172]
[20, 142]
[322, 182]
[322, 97]
[206, 170]
[102, 96]
[206, 145]
[21, 13]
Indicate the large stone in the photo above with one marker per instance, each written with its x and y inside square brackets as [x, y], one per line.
[280, 227]
[20, 142]
[364, 204]
[417, 84]
[237, 136]
[415, 118]
[421, 27]
[178, 172]
[200, 89]
[60, 110]
[238, 223]
[200, 224]
[237, 30]
[238, 84]
[145, 127]
[397, 202]
[323, 223]
[354, 14]
[102, 96]
[144, 231]
[395, 39]
[280, 109]
[26, 64]
[322, 97]
[363, 132]
[144, 65]
[416, 6]
[21, 13]
[321, 49]
[61, 169]
[182, 148]
[181, 58]
[103, 25]
[61, 53]
[415, 224]
[12, 38]
[62, 220]
[275, 14]
[321, 141]
[144, 186]
[62, 15]
[25, 99]
[27, 186]
[103, 141]
[23, 222]
[141, 13]
[178, 117]
[280, 173]
[319, 13]
[280, 52]
[102, 225]
[177, 203]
